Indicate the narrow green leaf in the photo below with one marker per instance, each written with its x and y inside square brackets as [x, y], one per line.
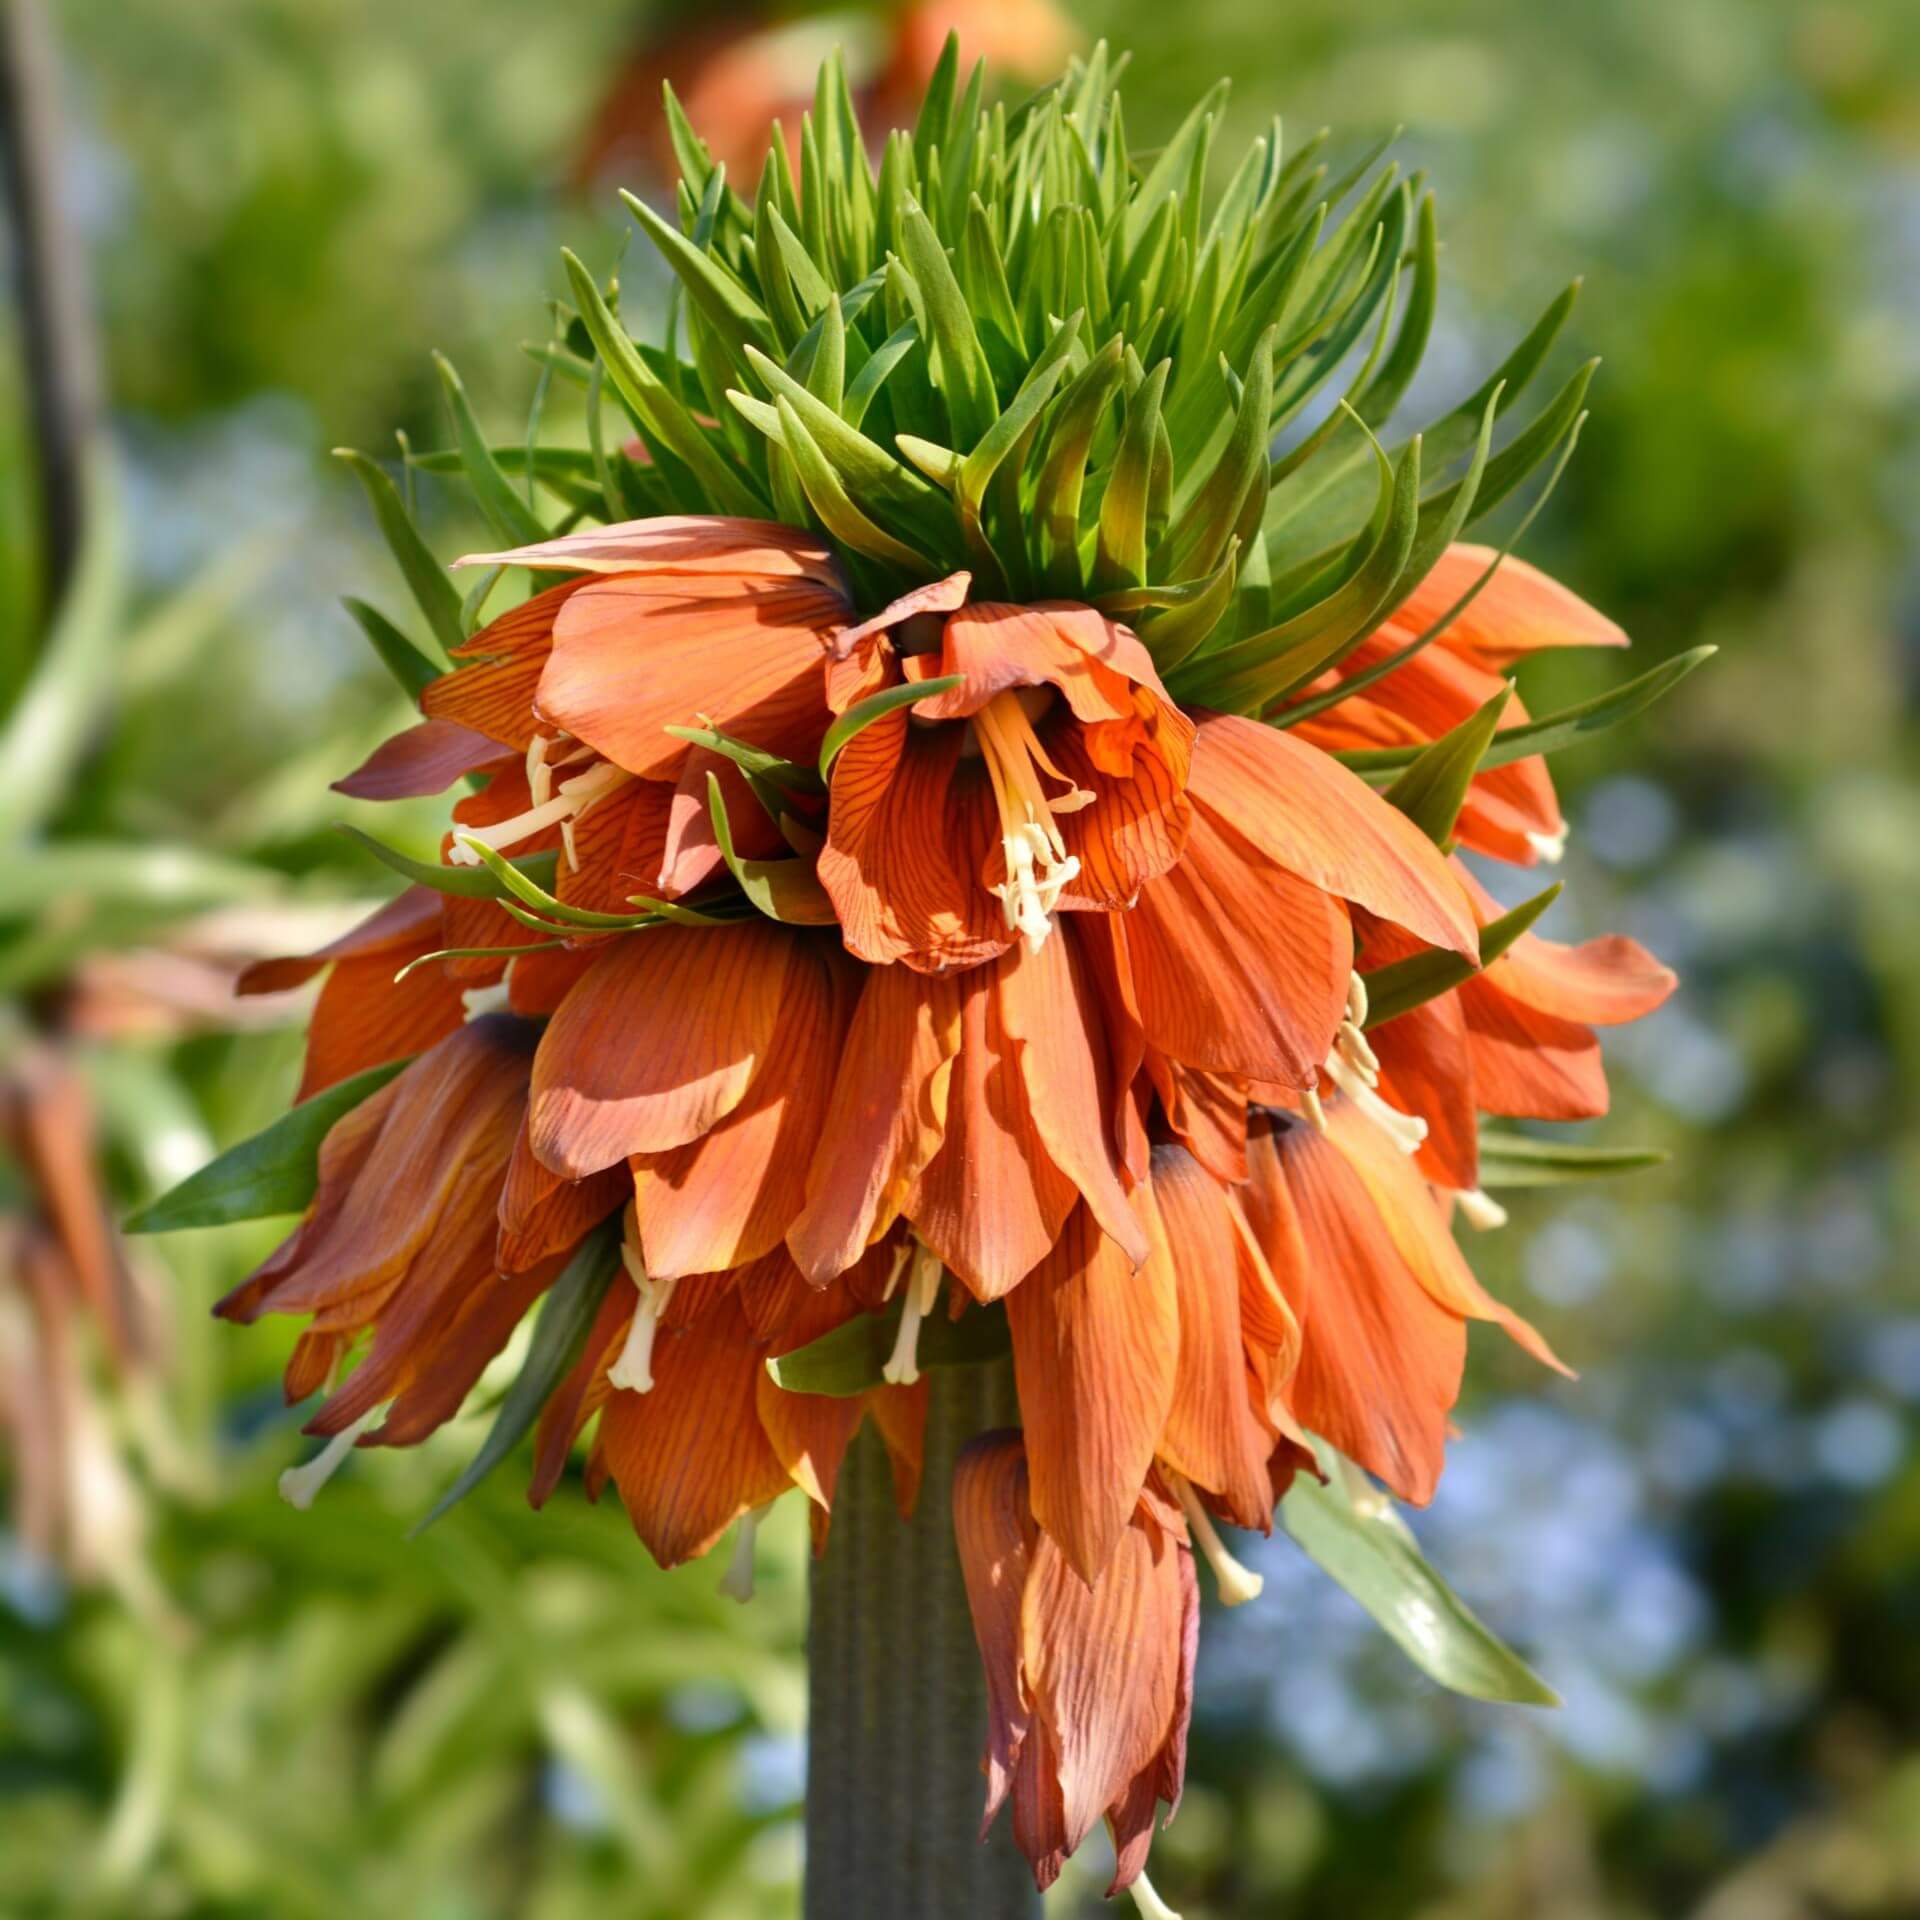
[434, 592]
[509, 515]
[1517, 1160]
[1405, 984]
[566, 1317]
[1351, 1531]
[859, 717]
[831, 501]
[960, 370]
[1556, 730]
[470, 883]
[513, 884]
[733, 313]
[276, 1172]
[1432, 791]
[1121, 554]
[781, 889]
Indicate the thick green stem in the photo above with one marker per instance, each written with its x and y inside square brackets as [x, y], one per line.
[896, 1699]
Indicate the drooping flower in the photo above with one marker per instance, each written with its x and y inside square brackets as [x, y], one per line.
[962, 854]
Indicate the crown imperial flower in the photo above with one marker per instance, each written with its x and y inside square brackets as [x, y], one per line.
[962, 861]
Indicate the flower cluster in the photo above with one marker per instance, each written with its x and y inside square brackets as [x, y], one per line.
[963, 838]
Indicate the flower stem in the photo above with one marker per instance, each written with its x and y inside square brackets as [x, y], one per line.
[897, 1701]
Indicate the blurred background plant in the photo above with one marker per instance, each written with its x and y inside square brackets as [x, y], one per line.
[1711, 1543]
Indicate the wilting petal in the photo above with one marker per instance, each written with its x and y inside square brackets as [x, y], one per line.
[690, 1456]
[1103, 1666]
[1211, 1436]
[364, 1017]
[1301, 808]
[633, 655]
[886, 1119]
[911, 829]
[994, 1529]
[991, 1202]
[1095, 1345]
[941, 596]
[661, 1040]
[1239, 966]
[425, 759]
[729, 1197]
[675, 544]
[1381, 1359]
[1418, 1228]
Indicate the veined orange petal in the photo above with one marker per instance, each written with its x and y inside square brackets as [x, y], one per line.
[425, 759]
[1419, 1229]
[940, 596]
[493, 694]
[620, 843]
[657, 1043]
[727, 1198]
[394, 928]
[1095, 1345]
[1137, 823]
[1526, 1064]
[1212, 1436]
[991, 1202]
[1299, 807]
[538, 982]
[1208, 1114]
[691, 1456]
[670, 545]
[1239, 966]
[1048, 1008]
[1093, 662]
[1426, 1069]
[633, 656]
[809, 1434]
[540, 1214]
[364, 1017]
[886, 1119]
[1380, 1359]
[911, 830]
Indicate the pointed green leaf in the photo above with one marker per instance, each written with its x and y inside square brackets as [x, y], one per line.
[470, 883]
[433, 591]
[509, 515]
[1432, 791]
[859, 717]
[1405, 984]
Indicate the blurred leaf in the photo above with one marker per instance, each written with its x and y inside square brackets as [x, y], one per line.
[1351, 1531]
[401, 658]
[1518, 1160]
[435, 593]
[276, 1172]
[852, 1357]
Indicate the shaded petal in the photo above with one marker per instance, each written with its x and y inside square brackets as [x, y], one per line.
[494, 694]
[1095, 1346]
[886, 1118]
[1526, 1064]
[675, 544]
[658, 1042]
[541, 1214]
[425, 759]
[939, 596]
[1093, 662]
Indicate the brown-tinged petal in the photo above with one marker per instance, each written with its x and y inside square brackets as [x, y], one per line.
[395, 928]
[658, 1042]
[670, 545]
[541, 1214]
[619, 844]
[886, 1118]
[1095, 1346]
[425, 759]
[1297, 806]
[994, 1529]
[690, 1456]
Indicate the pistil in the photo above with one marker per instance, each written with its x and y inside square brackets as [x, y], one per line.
[300, 1486]
[1237, 1584]
[562, 808]
[633, 1371]
[737, 1582]
[1039, 867]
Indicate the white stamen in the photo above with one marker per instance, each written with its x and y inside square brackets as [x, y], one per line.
[1551, 847]
[1407, 1131]
[737, 1582]
[573, 799]
[300, 1486]
[1356, 1000]
[1352, 1046]
[1151, 1906]
[633, 1371]
[923, 1289]
[1237, 1584]
[901, 1254]
[497, 998]
[539, 774]
[1316, 1113]
[1481, 1211]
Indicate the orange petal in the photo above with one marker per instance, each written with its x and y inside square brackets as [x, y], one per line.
[994, 1531]
[541, 1214]
[1419, 1229]
[1298, 806]
[1519, 611]
[1139, 818]
[633, 656]
[671, 545]
[1208, 1115]
[494, 696]
[395, 928]
[1600, 983]
[900, 1413]
[364, 1017]
[1093, 662]
[991, 1202]
[1212, 1436]
[1526, 1064]
[886, 1118]
[1425, 1069]
[538, 982]
[620, 843]
[690, 1457]
[1095, 1346]
[940, 596]
[658, 1043]
[729, 1197]
[911, 828]
[1239, 966]
[809, 1433]
[1048, 1009]
[1380, 1359]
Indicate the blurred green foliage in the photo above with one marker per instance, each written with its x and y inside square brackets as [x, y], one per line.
[1709, 1544]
